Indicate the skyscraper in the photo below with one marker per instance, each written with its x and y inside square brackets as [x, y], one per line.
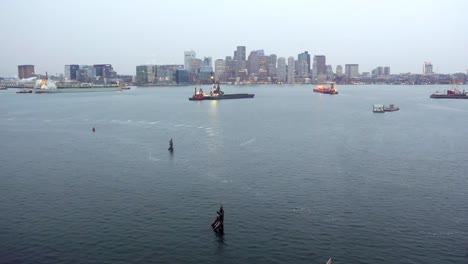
[239, 57]
[254, 61]
[281, 71]
[25, 71]
[304, 64]
[219, 68]
[291, 70]
[351, 71]
[272, 65]
[188, 57]
[427, 68]
[339, 70]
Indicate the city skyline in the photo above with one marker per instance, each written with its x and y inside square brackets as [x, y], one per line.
[126, 34]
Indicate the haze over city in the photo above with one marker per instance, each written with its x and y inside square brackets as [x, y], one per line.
[399, 34]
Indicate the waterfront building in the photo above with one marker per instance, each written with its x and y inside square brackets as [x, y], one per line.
[71, 72]
[386, 71]
[85, 74]
[220, 67]
[181, 76]
[281, 70]
[427, 68]
[339, 70]
[303, 63]
[291, 70]
[272, 66]
[103, 70]
[25, 71]
[351, 71]
[208, 61]
[329, 72]
[204, 74]
[239, 57]
[378, 71]
[320, 67]
[188, 57]
[165, 74]
[254, 61]
[230, 69]
[145, 73]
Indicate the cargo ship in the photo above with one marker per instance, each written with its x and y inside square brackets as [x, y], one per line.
[450, 94]
[63, 87]
[216, 94]
[326, 90]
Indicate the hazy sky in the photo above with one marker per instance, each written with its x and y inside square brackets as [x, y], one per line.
[401, 34]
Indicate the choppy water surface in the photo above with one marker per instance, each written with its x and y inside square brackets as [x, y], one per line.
[302, 177]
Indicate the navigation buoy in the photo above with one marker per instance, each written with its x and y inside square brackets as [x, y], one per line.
[94, 129]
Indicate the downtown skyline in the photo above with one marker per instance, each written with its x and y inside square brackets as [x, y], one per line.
[394, 33]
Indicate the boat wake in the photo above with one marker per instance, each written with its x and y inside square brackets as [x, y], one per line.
[250, 141]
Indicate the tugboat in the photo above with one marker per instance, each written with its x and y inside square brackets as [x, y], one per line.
[391, 108]
[326, 90]
[171, 146]
[216, 93]
[218, 224]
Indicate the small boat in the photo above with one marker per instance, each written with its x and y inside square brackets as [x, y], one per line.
[378, 108]
[26, 90]
[326, 90]
[218, 224]
[329, 261]
[391, 108]
[171, 146]
[125, 87]
[2, 87]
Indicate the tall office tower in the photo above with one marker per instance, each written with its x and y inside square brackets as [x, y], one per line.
[303, 60]
[230, 68]
[427, 68]
[386, 70]
[208, 61]
[339, 70]
[188, 57]
[281, 71]
[240, 53]
[320, 64]
[291, 70]
[254, 61]
[351, 71]
[25, 71]
[272, 65]
[195, 65]
[72, 72]
[330, 74]
[220, 67]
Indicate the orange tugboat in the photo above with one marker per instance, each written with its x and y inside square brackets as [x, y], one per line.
[326, 90]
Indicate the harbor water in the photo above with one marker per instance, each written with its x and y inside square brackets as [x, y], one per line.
[302, 176]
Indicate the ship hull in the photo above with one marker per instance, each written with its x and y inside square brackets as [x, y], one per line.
[325, 92]
[79, 90]
[223, 97]
[445, 96]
